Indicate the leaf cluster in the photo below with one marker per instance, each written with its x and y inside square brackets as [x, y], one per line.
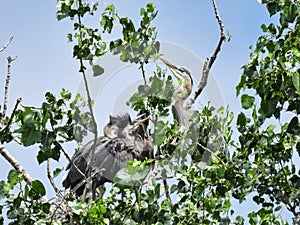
[273, 72]
[137, 45]
[54, 123]
[24, 207]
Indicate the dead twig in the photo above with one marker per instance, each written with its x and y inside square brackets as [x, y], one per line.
[7, 44]
[209, 61]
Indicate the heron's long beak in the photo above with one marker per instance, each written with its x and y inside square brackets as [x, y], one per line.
[175, 70]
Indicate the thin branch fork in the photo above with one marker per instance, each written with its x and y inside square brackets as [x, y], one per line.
[209, 61]
[7, 44]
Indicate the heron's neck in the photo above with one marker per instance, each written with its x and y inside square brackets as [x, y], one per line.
[179, 113]
[182, 93]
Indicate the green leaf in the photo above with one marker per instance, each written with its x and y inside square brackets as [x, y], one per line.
[30, 135]
[267, 108]
[159, 135]
[15, 213]
[173, 188]
[264, 28]
[213, 202]
[294, 127]
[38, 187]
[57, 171]
[296, 81]
[14, 177]
[241, 85]
[28, 115]
[272, 8]
[150, 7]
[77, 207]
[247, 101]
[227, 203]
[42, 156]
[270, 129]
[97, 70]
[65, 94]
[4, 189]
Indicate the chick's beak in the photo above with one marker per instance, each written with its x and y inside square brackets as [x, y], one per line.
[136, 124]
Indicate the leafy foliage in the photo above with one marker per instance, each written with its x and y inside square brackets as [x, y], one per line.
[51, 125]
[27, 202]
[273, 72]
[137, 45]
[182, 189]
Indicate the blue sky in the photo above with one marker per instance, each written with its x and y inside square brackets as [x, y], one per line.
[45, 60]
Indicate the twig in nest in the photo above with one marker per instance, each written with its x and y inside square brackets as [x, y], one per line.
[209, 61]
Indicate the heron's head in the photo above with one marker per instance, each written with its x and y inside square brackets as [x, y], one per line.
[123, 127]
[116, 125]
[182, 74]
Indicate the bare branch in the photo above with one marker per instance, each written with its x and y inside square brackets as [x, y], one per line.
[51, 178]
[11, 116]
[143, 72]
[9, 60]
[5, 153]
[166, 187]
[209, 62]
[93, 118]
[7, 44]
[90, 105]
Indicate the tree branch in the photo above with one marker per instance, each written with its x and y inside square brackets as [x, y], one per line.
[71, 161]
[15, 164]
[90, 105]
[11, 116]
[143, 72]
[7, 44]
[93, 118]
[209, 61]
[51, 178]
[9, 61]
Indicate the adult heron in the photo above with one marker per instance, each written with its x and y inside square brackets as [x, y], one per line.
[180, 114]
[202, 147]
[124, 140]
